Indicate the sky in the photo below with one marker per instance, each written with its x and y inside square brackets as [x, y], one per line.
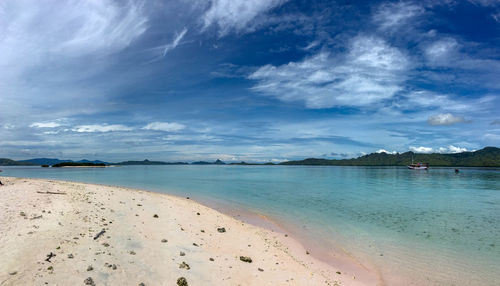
[247, 80]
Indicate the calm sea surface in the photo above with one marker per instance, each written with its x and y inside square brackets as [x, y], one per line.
[423, 227]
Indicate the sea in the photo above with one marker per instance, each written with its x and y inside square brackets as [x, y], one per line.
[415, 227]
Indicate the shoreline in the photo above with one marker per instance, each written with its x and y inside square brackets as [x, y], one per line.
[264, 241]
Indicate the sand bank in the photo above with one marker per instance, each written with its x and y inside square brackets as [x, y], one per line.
[49, 235]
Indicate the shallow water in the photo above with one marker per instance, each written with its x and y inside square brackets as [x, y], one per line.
[417, 227]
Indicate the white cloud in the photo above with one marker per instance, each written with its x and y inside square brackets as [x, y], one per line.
[175, 42]
[164, 126]
[421, 149]
[443, 150]
[442, 51]
[370, 72]
[445, 119]
[385, 151]
[236, 15]
[394, 15]
[50, 49]
[101, 128]
[45, 125]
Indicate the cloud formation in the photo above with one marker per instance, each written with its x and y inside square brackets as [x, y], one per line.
[236, 15]
[45, 124]
[445, 119]
[100, 128]
[369, 73]
[164, 126]
[443, 150]
[175, 41]
[394, 15]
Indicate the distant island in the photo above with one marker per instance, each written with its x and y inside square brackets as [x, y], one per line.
[486, 157]
[76, 164]
[147, 162]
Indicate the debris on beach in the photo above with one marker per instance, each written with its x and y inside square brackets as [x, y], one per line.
[70, 256]
[182, 253]
[182, 282]
[13, 273]
[184, 265]
[132, 252]
[89, 281]
[99, 234]
[164, 240]
[155, 216]
[221, 229]
[90, 268]
[246, 259]
[260, 269]
[49, 256]
[338, 272]
[211, 259]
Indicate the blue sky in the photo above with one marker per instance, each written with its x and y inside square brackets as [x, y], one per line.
[251, 80]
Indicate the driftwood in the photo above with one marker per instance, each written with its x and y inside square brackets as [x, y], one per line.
[49, 256]
[36, 217]
[51, 193]
[99, 234]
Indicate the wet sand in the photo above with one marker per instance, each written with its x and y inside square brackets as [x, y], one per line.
[65, 233]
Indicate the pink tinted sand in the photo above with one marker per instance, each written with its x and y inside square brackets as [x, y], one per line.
[145, 234]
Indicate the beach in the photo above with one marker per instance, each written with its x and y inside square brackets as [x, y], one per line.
[65, 233]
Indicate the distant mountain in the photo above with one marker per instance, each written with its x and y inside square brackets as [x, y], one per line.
[486, 157]
[217, 162]
[92, 162]
[147, 162]
[76, 164]
[9, 162]
[52, 161]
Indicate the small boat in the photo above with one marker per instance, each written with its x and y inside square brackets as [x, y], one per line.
[418, 166]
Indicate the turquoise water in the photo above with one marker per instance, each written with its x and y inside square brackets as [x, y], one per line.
[429, 227]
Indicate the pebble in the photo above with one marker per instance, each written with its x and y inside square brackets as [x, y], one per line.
[155, 216]
[246, 259]
[184, 265]
[211, 259]
[164, 240]
[182, 282]
[338, 272]
[260, 269]
[89, 281]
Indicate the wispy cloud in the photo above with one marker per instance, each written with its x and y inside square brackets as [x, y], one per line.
[45, 124]
[370, 72]
[395, 15]
[443, 150]
[236, 15]
[445, 119]
[100, 128]
[164, 126]
[177, 39]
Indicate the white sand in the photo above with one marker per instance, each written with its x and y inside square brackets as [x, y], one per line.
[66, 224]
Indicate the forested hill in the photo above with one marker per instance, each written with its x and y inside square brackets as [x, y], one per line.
[486, 157]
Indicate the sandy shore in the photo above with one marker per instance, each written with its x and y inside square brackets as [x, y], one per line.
[148, 238]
